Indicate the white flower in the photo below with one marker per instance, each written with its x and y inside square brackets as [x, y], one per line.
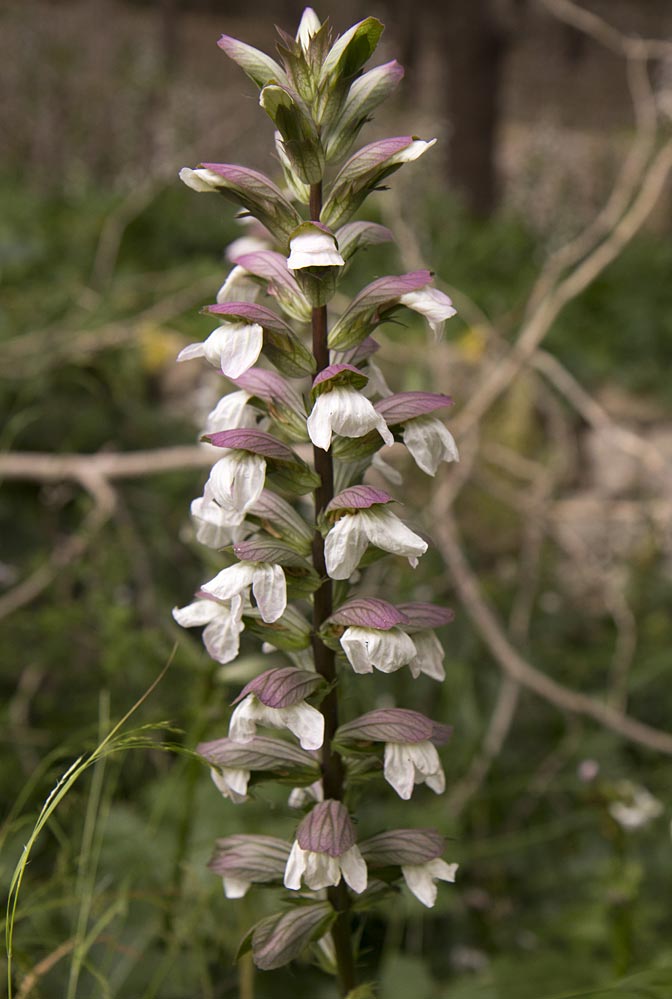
[636, 808]
[300, 796]
[429, 442]
[309, 25]
[239, 285]
[368, 647]
[233, 785]
[420, 878]
[232, 348]
[410, 763]
[345, 411]
[302, 720]
[201, 179]
[432, 304]
[223, 625]
[235, 887]
[348, 539]
[319, 870]
[266, 579]
[313, 249]
[429, 656]
[231, 413]
[236, 483]
[212, 523]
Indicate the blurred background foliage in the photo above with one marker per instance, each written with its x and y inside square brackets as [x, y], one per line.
[104, 261]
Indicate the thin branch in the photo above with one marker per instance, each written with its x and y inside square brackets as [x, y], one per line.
[515, 666]
[603, 32]
[500, 375]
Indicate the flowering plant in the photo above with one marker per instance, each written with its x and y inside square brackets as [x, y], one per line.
[297, 531]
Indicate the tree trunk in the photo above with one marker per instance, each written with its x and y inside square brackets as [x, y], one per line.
[475, 45]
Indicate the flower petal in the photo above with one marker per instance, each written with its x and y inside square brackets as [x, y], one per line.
[430, 655]
[398, 770]
[305, 722]
[432, 304]
[368, 647]
[420, 878]
[231, 581]
[232, 783]
[241, 349]
[296, 865]
[270, 591]
[235, 887]
[344, 545]
[384, 529]
[430, 443]
[354, 870]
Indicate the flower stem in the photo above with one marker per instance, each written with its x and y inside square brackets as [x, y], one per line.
[332, 764]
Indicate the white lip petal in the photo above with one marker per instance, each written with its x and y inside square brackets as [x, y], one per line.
[386, 650]
[222, 638]
[235, 888]
[213, 527]
[231, 581]
[191, 351]
[321, 870]
[197, 614]
[386, 531]
[239, 286]
[429, 658]
[344, 546]
[296, 865]
[232, 411]
[241, 349]
[354, 870]
[313, 249]
[431, 303]
[430, 443]
[201, 180]
[347, 412]
[398, 769]
[243, 722]
[305, 722]
[270, 591]
[236, 482]
[420, 878]
[231, 783]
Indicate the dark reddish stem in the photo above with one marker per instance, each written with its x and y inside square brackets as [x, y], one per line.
[332, 764]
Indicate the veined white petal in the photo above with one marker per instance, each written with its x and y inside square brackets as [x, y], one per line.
[384, 529]
[231, 412]
[354, 871]
[318, 423]
[240, 349]
[313, 249]
[344, 545]
[303, 721]
[243, 722]
[239, 286]
[353, 415]
[429, 658]
[236, 482]
[270, 591]
[321, 870]
[398, 769]
[231, 581]
[425, 760]
[296, 865]
[234, 887]
[232, 783]
[197, 614]
[430, 443]
[212, 524]
[420, 878]
[222, 636]
[368, 647]
[191, 351]
[300, 796]
[432, 304]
